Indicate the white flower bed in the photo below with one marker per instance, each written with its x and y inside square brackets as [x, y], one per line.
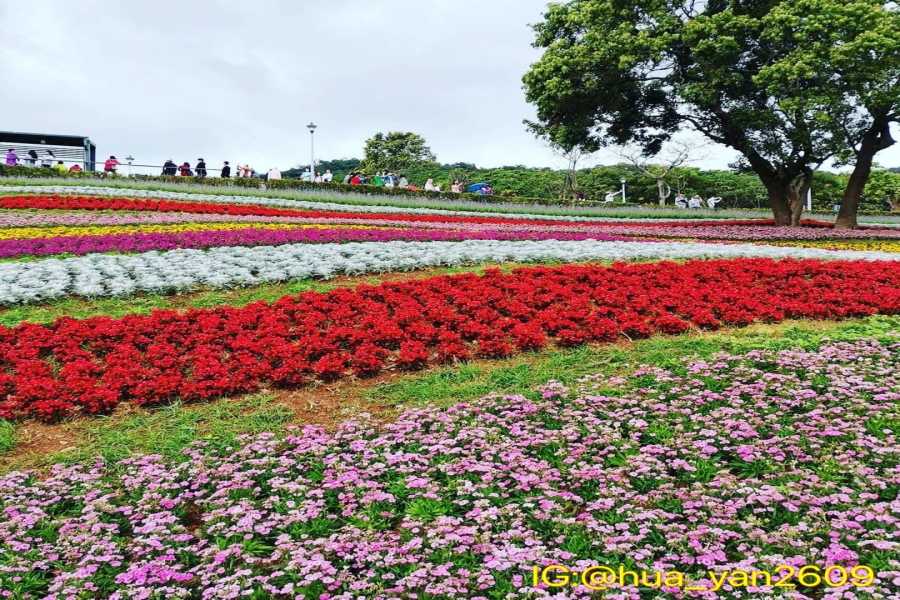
[100, 275]
[308, 204]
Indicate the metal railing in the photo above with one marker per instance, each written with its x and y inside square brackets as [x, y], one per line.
[123, 169]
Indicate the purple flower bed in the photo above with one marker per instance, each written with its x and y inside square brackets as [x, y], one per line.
[144, 242]
[705, 232]
[738, 463]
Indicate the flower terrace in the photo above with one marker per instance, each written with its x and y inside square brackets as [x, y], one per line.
[500, 393]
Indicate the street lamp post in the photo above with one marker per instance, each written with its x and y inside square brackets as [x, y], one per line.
[130, 160]
[312, 149]
[623, 190]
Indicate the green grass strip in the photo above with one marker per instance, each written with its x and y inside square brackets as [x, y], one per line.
[170, 429]
[519, 375]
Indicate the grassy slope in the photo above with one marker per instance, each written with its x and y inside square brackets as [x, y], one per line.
[168, 430]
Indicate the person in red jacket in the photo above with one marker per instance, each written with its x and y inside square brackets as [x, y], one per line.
[186, 170]
[111, 165]
[355, 180]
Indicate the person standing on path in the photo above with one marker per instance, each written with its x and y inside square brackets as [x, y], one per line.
[226, 171]
[110, 167]
[201, 167]
[12, 159]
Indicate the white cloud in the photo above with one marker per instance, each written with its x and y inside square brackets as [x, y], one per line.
[236, 80]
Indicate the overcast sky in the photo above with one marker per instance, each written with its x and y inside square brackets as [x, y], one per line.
[237, 80]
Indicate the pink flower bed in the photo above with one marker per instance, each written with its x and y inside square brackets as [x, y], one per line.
[737, 463]
[145, 242]
[749, 232]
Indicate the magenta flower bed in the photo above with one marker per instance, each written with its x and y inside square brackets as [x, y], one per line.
[738, 463]
[144, 242]
[751, 232]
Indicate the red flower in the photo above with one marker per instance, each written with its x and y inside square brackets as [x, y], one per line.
[91, 365]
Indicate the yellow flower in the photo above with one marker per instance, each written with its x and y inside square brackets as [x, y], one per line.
[878, 245]
[24, 233]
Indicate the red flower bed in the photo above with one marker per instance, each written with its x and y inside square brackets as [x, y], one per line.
[95, 203]
[91, 365]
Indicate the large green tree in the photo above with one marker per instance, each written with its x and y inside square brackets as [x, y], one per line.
[636, 71]
[847, 55]
[396, 152]
[883, 190]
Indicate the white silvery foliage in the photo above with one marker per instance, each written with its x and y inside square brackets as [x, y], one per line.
[103, 275]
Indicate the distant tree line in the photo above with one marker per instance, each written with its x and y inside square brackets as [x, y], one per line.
[737, 189]
[788, 84]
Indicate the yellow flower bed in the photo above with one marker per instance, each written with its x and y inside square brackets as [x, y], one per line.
[855, 244]
[24, 233]
[879, 245]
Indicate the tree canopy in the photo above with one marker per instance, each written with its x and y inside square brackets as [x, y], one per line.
[846, 55]
[396, 152]
[637, 71]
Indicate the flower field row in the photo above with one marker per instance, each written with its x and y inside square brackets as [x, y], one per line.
[191, 205]
[105, 275]
[857, 244]
[263, 235]
[93, 365]
[81, 219]
[744, 463]
[307, 205]
[24, 233]
[749, 232]
[196, 207]
[727, 230]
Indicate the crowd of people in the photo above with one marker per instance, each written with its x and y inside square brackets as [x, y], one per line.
[681, 201]
[47, 160]
[380, 179]
[695, 201]
[170, 169]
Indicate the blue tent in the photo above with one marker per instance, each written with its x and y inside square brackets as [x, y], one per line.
[477, 186]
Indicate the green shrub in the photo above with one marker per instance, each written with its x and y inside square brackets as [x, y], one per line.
[7, 436]
[42, 172]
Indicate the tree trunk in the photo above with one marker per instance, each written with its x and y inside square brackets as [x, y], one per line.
[664, 191]
[895, 202]
[778, 184]
[876, 139]
[781, 204]
[797, 194]
[846, 218]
